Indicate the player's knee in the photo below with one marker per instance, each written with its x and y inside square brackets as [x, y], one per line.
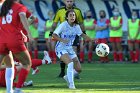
[79, 70]
[27, 64]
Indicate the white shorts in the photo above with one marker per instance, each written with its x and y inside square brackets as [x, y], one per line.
[70, 52]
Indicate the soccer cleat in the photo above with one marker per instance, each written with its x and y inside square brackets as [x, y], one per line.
[35, 71]
[17, 90]
[72, 86]
[29, 83]
[77, 76]
[66, 79]
[61, 75]
[47, 57]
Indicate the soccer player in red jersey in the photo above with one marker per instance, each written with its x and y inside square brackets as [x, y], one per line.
[11, 16]
[18, 66]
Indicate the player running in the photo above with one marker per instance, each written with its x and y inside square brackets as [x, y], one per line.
[65, 33]
[60, 17]
[12, 16]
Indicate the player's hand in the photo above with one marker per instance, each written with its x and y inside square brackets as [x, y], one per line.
[25, 38]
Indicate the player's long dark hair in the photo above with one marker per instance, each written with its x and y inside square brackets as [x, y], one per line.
[67, 13]
[6, 7]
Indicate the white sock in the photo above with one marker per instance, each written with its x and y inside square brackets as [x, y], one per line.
[43, 61]
[70, 73]
[75, 72]
[9, 77]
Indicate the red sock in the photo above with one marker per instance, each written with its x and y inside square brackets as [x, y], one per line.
[36, 63]
[132, 55]
[54, 57]
[120, 56]
[81, 56]
[90, 56]
[22, 77]
[104, 59]
[115, 56]
[31, 54]
[137, 55]
[51, 54]
[14, 84]
[36, 54]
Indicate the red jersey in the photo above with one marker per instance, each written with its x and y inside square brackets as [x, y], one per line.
[28, 14]
[11, 22]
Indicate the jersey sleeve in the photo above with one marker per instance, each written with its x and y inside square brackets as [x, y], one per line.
[80, 17]
[59, 29]
[95, 22]
[107, 21]
[121, 21]
[79, 31]
[22, 9]
[28, 13]
[56, 17]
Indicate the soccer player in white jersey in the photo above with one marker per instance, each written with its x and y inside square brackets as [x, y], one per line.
[65, 34]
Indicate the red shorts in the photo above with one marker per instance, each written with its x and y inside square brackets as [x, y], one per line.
[103, 40]
[135, 41]
[115, 39]
[2, 77]
[12, 42]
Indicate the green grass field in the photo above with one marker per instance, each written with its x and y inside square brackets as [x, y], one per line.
[95, 78]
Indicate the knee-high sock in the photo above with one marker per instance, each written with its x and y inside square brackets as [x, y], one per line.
[89, 56]
[137, 55]
[38, 62]
[82, 56]
[120, 56]
[22, 77]
[62, 65]
[132, 55]
[36, 54]
[70, 73]
[35, 63]
[54, 55]
[115, 56]
[75, 72]
[9, 77]
[31, 54]
[51, 54]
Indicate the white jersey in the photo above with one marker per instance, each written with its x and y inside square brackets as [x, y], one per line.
[67, 32]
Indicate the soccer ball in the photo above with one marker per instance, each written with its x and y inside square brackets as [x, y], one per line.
[102, 50]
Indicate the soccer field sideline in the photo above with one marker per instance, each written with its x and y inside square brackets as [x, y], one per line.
[95, 78]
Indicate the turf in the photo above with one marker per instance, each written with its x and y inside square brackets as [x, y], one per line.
[95, 78]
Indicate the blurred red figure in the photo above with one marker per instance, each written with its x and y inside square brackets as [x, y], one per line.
[116, 35]
[12, 18]
[134, 37]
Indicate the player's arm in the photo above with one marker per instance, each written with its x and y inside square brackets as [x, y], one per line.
[91, 27]
[55, 21]
[138, 32]
[128, 30]
[80, 33]
[54, 25]
[2, 67]
[118, 27]
[100, 27]
[25, 23]
[103, 27]
[81, 21]
[57, 32]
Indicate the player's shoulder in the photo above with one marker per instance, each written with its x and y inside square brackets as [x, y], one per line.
[17, 6]
[61, 8]
[76, 8]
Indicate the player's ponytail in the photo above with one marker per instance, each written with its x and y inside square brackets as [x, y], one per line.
[6, 7]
